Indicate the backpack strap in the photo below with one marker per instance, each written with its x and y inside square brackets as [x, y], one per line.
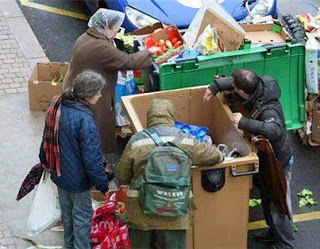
[154, 136]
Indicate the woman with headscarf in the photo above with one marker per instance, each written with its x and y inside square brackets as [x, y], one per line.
[95, 50]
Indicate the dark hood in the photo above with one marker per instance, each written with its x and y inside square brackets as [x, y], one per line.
[161, 112]
[267, 90]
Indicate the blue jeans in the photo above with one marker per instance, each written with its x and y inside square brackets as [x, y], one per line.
[76, 216]
[280, 226]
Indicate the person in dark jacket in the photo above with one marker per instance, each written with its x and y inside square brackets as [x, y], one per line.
[80, 164]
[260, 97]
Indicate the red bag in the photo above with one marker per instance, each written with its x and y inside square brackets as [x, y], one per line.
[106, 230]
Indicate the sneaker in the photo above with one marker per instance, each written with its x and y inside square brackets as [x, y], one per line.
[265, 236]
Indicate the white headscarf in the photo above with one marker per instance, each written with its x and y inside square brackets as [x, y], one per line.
[106, 18]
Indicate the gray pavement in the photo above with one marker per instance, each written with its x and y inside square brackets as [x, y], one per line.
[19, 49]
[20, 131]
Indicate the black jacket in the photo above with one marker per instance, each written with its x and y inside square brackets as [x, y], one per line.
[270, 122]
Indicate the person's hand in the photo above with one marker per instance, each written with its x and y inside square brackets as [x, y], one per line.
[207, 95]
[236, 117]
[153, 50]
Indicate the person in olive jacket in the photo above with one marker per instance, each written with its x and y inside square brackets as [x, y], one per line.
[95, 50]
[169, 232]
[260, 97]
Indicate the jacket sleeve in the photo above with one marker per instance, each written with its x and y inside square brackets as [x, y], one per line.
[269, 126]
[205, 155]
[92, 155]
[125, 165]
[114, 59]
[221, 84]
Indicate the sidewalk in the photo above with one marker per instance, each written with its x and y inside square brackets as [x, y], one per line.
[20, 129]
[19, 49]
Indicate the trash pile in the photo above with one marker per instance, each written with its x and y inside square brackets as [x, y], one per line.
[305, 28]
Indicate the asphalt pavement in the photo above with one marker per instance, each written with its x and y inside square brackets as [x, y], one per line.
[57, 34]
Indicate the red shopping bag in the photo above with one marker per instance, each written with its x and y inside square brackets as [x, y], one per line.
[107, 232]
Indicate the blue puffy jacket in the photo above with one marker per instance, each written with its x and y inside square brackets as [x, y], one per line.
[81, 155]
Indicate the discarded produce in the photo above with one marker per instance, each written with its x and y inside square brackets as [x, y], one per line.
[306, 199]
[254, 202]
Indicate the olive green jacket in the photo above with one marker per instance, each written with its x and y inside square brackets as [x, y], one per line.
[161, 117]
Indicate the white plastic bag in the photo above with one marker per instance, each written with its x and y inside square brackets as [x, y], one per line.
[45, 210]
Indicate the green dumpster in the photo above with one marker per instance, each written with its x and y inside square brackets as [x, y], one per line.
[286, 63]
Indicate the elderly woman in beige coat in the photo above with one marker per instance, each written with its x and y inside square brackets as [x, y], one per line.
[95, 50]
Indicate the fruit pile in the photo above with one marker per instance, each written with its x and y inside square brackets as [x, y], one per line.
[165, 45]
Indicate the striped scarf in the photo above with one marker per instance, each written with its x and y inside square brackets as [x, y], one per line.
[51, 138]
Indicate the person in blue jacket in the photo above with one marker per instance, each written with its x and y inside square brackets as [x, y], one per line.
[76, 161]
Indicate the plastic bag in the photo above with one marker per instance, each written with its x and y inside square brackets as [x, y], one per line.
[45, 211]
[116, 238]
[107, 232]
[208, 42]
[126, 85]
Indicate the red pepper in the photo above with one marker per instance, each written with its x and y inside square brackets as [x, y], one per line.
[174, 40]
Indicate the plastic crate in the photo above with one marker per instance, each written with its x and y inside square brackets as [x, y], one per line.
[286, 63]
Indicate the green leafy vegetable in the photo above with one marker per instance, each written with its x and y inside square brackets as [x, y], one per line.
[305, 192]
[254, 202]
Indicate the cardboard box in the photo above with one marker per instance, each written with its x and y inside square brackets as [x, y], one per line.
[148, 29]
[41, 88]
[315, 136]
[266, 33]
[230, 33]
[215, 213]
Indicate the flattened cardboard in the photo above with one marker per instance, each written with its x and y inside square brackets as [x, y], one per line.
[41, 91]
[315, 135]
[148, 29]
[263, 33]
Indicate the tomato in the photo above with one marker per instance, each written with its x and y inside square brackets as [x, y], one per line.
[160, 52]
[174, 40]
[156, 44]
[177, 44]
[164, 48]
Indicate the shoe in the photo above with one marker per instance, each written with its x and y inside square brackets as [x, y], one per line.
[264, 236]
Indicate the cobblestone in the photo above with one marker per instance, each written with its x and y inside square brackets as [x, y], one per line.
[14, 67]
[10, 91]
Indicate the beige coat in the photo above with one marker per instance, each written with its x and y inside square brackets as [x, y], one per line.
[94, 51]
[131, 165]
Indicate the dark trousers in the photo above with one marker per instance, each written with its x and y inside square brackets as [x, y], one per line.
[280, 225]
[166, 239]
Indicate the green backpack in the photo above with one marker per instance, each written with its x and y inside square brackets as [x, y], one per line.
[165, 187]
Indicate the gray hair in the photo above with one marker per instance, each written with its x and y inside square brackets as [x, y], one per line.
[105, 18]
[87, 84]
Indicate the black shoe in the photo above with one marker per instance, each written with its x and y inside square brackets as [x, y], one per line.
[264, 236]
